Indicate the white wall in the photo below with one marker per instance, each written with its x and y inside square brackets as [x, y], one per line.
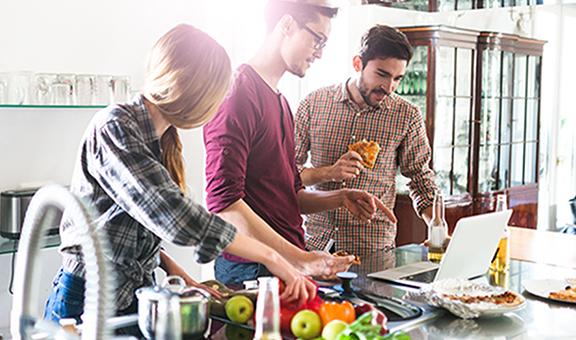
[99, 37]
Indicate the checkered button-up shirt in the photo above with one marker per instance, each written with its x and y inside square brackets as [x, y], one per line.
[120, 172]
[328, 121]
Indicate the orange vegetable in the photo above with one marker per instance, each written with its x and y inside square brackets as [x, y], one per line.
[343, 311]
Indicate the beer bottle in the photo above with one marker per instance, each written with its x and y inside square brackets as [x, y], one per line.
[437, 230]
[501, 259]
[268, 310]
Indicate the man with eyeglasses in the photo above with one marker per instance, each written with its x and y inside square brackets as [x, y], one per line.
[365, 107]
[252, 179]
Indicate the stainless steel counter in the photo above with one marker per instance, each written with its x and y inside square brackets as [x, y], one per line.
[540, 319]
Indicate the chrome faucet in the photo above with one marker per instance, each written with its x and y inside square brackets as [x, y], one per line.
[98, 298]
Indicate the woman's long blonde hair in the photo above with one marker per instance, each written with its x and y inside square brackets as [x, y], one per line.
[187, 78]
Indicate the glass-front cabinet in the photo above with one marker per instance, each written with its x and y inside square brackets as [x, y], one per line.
[455, 5]
[508, 113]
[480, 101]
[443, 65]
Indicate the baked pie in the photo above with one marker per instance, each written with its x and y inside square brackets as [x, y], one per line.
[507, 299]
[567, 294]
[367, 150]
[345, 253]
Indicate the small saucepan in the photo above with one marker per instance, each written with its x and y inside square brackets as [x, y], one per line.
[194, 307]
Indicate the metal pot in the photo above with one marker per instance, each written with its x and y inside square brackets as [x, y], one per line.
[194, 307]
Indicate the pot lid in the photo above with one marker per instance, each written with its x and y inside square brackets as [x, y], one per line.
[173, 285]
[153, 293]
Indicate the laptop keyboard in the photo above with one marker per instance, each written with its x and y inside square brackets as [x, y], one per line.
[426, 277]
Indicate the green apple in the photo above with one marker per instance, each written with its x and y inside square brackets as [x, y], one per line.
[333, 328]
[306, 324]
[239, 308]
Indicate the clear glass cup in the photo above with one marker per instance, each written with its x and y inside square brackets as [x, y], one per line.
[85, 89]
[120, 89]
[63, 89]
[4, 80]
[103, 90]
[42, 91]
[19, 88]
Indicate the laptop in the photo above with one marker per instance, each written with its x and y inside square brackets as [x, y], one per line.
[469, 253]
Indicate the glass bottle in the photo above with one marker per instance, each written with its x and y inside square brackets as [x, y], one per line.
[500, 279]
[268, 310]
[437, 230]
[501, 259]
[169, 324]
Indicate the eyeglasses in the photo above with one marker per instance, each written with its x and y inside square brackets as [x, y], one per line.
[319, 39]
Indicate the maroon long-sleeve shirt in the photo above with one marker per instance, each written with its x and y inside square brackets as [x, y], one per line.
[250, 155]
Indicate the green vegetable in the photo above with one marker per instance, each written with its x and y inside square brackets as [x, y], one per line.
[396, 336]
[362, 329]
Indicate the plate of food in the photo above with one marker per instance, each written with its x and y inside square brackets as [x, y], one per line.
[468, 299]
[563, 290]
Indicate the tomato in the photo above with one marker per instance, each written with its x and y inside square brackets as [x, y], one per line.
[343, 311]
[287, 310]
[314, 304]
[286, 314]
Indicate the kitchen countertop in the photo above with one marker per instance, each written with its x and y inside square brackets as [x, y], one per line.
[540, 319]
[535, 255]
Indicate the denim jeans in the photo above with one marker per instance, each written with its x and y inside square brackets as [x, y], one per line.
[234, 273]
[67, 298]
[66, 301]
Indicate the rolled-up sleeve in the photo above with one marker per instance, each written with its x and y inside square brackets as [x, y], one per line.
[132, 176]
[228, 139]
[414, 157]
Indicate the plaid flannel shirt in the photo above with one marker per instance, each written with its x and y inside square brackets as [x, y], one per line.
[327, 121]
[136, 202]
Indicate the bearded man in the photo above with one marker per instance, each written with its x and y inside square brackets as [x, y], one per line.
[364, 107]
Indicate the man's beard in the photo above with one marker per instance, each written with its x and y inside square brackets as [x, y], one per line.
[366, 93]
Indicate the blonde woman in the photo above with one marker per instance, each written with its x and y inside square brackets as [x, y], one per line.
[130, 168]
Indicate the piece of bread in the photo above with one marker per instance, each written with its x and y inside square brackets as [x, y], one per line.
[367, 150]
[345, 253]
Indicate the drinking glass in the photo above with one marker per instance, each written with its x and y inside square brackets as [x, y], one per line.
[4, 77]
[120, 88]
[103, 90]
[19, 88]
[85, 89]
[42, 92]
[63, 89]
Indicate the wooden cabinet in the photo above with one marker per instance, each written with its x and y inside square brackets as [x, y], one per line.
[452, 5]
[480, 97]
[506, 124]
